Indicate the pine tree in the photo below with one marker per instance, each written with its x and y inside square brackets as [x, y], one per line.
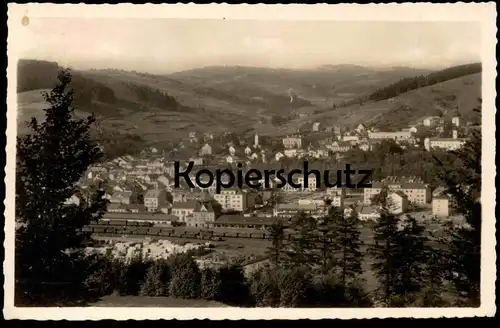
[399, 254]
[347, 245]
[411, 264]
[275, 252]
[324, 247]
[302, 248]
[50, 160]
[463, 181]
[384, 251]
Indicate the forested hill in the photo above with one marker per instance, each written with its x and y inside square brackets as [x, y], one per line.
[413, 83]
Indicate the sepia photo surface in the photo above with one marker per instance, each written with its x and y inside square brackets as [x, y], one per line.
[250, 161]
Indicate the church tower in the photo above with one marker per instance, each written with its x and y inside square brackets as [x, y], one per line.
[256, 140]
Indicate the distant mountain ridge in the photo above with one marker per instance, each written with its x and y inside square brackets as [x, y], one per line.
[234, 98]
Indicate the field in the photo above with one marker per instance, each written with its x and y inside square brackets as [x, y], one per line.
[144, 301]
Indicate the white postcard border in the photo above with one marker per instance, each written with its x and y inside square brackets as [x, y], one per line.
[485, 13]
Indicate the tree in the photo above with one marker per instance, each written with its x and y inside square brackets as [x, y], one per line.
[210, 284]
[324, 246]
[463, 182]
[347, 244]
[302, 248]
[233, 288]
[277, 232]
[50, 161]
[398, 254]
[156, 281]
[186, 277]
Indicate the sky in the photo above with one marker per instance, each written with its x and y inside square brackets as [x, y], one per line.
[170, 45]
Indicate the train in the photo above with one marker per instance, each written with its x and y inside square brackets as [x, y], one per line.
[128, 229]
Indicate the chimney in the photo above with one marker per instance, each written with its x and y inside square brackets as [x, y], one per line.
[455, 134]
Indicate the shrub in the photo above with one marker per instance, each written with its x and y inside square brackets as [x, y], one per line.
[210, 284]
[132, 276]
[233, 287]
[186, 277]
[264, 288]
[294, 287]
[157, 279]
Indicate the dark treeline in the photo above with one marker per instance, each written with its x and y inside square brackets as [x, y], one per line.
[154, 97]
[412, 83]
[115, 144]
[36, 74]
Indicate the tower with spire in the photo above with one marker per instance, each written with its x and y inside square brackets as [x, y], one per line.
[256, 140]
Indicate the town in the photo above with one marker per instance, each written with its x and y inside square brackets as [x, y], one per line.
[142, 188]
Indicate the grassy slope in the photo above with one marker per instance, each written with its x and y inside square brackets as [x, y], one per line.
[423, 102]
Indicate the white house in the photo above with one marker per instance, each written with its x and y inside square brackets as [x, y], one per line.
[441, 206]
[398, 202]
[206, 150]
[278, 156]
[360, 128]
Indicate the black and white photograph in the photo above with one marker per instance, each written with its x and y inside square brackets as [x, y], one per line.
[221, 160]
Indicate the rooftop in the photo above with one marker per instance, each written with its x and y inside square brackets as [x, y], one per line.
[153, 193]
[190, 204]
[139, 216]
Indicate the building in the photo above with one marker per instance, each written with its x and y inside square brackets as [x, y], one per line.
[278, 156]
[448, 144]
[126, 208]
[201, 216]
[413, 187]
[152, 218]
[340, 147]
[256, 140]
[441, 206]
[183, 209]
[122, 197]
[360, 128]
[197, 161]
[315, 127]
[365, 146]
[311, 183]
[292, 209]
[155, 199]
[367, 213]
[397, 136]
[232, 200]
[398, 202]
[292, 142]
[431, 121]
[455, 121]
[206, 150]
[351, 139]
[290, 152]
